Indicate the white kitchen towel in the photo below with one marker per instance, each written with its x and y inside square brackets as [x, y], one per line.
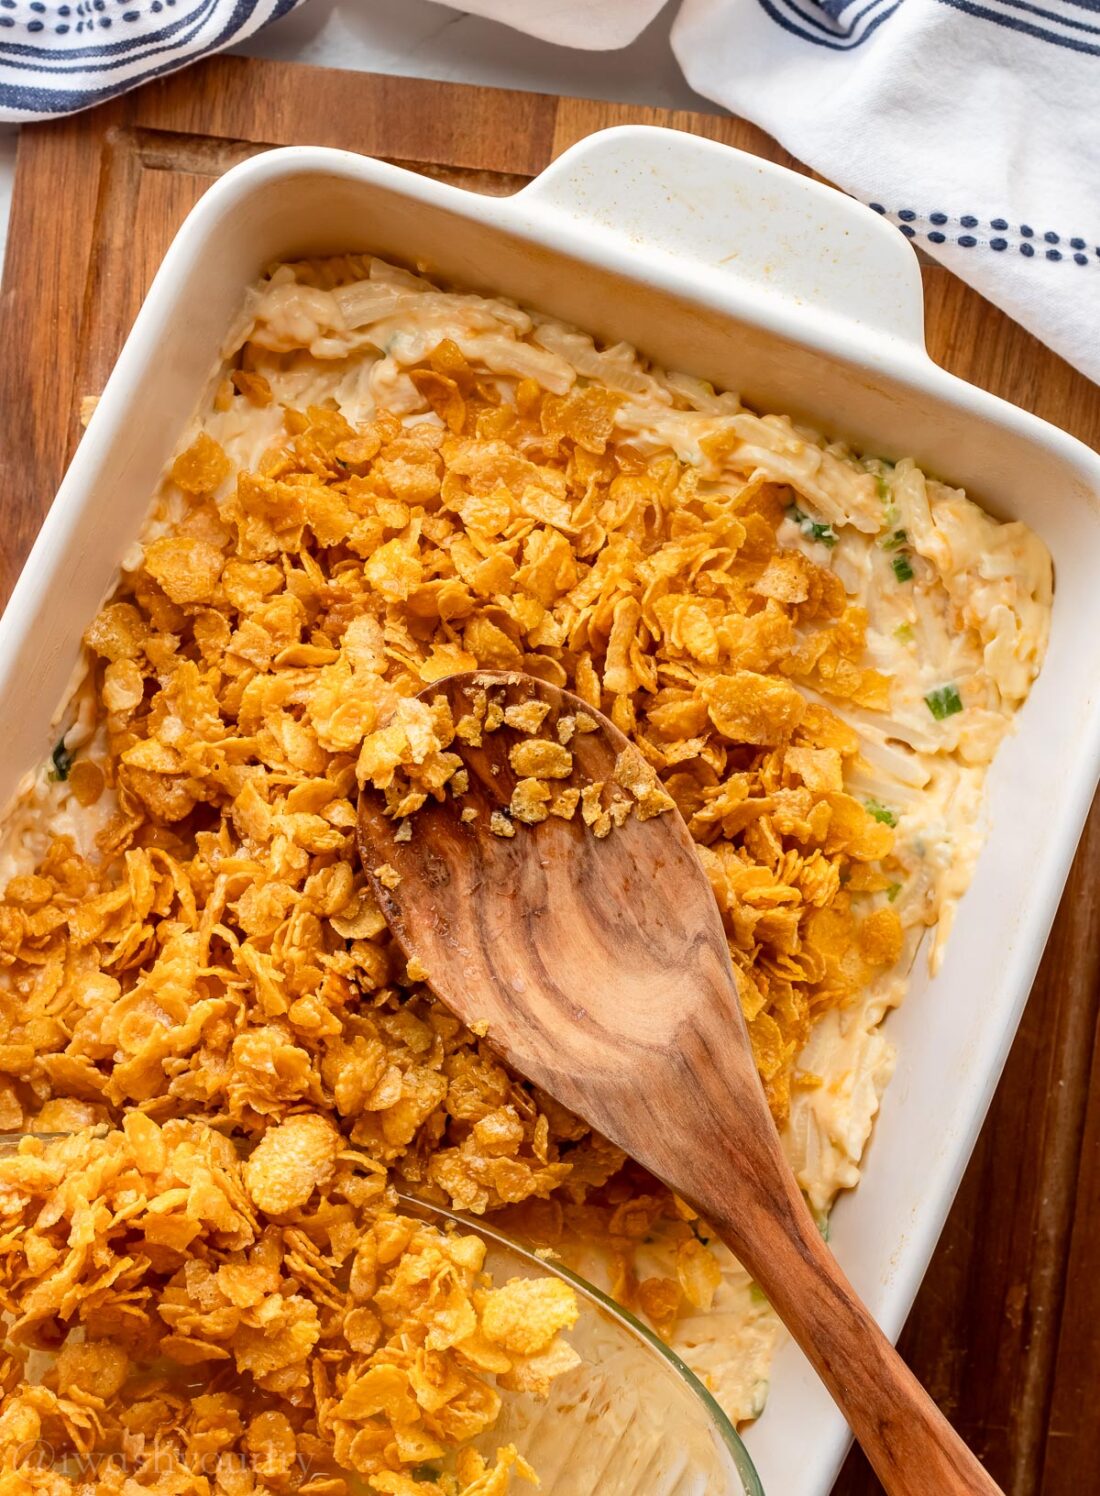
[57, 56]
[973, 125]
[588, 25]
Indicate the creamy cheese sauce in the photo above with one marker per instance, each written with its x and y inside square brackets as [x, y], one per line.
[958, 608]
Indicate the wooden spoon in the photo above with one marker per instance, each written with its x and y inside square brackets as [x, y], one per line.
[600, 970]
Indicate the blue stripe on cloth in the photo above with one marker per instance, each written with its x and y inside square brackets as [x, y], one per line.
[49, 99]
[1027, 28]
[12, 53]
[1052, 15]
[816, 29]
[827, 23]
[836, 8]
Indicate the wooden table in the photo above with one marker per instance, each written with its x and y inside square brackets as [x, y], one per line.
[1006, 1329]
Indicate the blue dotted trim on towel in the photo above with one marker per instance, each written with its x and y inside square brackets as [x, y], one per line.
[79, 15]
[996, 234]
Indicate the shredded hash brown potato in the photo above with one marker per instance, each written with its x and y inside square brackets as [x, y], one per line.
[815, 653]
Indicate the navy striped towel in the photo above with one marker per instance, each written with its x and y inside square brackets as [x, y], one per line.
[57, 56]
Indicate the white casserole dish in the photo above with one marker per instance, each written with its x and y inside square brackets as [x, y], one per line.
[764, 282]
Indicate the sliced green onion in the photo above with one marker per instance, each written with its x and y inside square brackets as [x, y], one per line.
[881, 812]
[821, 1217]
[62, 761]
[944, 701]
[758, 1397]
[814, 528]
[886, 495]
[902, 570]
[904, 632]
[894, 541]
[892, 891]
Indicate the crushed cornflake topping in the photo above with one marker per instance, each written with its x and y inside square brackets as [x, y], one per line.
[565, 802]
[333, 1336]
[393, 484]
[538, 758]
[530, 801]
[526, 716]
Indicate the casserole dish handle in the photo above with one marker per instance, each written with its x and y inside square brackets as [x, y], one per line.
[739, 223]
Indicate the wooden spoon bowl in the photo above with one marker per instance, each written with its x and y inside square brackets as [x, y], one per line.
[599, 969]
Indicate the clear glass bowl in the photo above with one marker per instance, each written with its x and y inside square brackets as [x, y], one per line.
[629, 1420]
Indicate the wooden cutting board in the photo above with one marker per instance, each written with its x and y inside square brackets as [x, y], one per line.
[1006, 1330]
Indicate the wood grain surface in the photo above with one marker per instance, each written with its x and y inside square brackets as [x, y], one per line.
[1006, 1329]
[599, 968]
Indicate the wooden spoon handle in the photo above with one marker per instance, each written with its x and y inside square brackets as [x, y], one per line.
[910, 1444]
